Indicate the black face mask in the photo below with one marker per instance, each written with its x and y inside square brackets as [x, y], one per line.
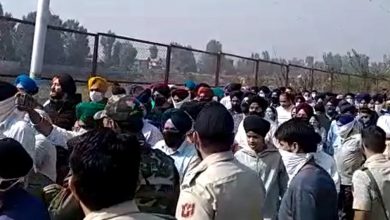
[173, 139]
[237, 108]
[331, 112]
[159, 100]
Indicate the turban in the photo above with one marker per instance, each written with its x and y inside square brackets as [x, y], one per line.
[99, 82]
[162, 88]
[256, 124]
[179, 118]
[15, 162]
[190, 85]
[181, 93]
[206, 91]
[218, 92]
[306, 108]
[27, 84]
[233, 87]
[86, 110]
[364, 96]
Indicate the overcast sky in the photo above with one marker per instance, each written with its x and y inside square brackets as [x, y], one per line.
[286, 28]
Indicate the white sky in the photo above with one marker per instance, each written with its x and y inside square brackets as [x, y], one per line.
[286, 28]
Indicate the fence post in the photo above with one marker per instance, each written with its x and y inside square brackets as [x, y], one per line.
[95, 56]
[168, 64]
[218, 68]
[311, 79]
[331, 80]
[257, 67]
[287, 74]
[349, 83]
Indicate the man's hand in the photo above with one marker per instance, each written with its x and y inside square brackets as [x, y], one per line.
[25, 102]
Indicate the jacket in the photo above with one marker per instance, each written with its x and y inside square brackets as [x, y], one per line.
[63, 113]
[270, 168]
[311, 196]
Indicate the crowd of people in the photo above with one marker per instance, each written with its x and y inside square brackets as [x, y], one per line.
[192, 152]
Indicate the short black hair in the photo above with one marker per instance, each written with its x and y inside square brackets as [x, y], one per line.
[7, 90]
[289, 96]
[215, 126]
[259, 100]
[374, 139]
[105, 167]
[301, 132]
[366, 110]
[319, 107]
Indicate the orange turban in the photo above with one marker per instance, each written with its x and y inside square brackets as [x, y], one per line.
[99, 83]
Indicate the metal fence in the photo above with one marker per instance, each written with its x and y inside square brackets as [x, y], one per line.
[129, 60]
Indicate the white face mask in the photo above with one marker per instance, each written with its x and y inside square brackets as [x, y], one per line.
[261, 94]
[350, 101]
[96, 96]
[294, 162]
[378, 108]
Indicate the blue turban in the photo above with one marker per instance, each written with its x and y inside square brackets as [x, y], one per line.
[27, 84]
[189, 84]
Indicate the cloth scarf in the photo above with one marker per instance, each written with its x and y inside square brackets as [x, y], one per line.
[7, 108]
[179, 104]
[344, 130]
[294, 162]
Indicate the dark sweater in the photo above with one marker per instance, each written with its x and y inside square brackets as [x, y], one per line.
[311, 196]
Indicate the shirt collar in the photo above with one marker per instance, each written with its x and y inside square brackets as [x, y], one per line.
[216, 157]
[375, 158]
[121, 209]
[180, 150]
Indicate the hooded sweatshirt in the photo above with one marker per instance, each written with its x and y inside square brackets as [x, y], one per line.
[269, 166]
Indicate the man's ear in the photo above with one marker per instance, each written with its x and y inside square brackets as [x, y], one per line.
[71, 184]
[294, 147]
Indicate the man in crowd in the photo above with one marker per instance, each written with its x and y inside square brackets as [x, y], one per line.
[311, 193]
[235, 110]
[12, 123]
[349, 158]
[233, 87]
[285, 108]
[25, 84]
[105, 169]
[16, 203]
[179, 97]
[97, 87]
[266, 161]
[159, 185]
[371, 184]
[176, 124]
[257, 106]
[219, 187]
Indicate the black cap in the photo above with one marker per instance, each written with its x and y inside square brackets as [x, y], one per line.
[15, 162]
[214, 121]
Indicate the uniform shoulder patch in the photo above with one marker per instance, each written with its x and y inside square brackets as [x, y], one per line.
[187, 210]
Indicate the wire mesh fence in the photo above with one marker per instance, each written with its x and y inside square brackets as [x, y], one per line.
[272, 75]
[190, 64]
[136, 61]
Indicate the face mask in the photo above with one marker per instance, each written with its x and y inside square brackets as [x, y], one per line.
[173, 139]
[331, 112]
[313, 95]
[306, 97]
[95, 96]
[350, 101]
[294, 162]
[261, 94]
[159, 100]
[7, 184]
[378, 108]
[270, 116]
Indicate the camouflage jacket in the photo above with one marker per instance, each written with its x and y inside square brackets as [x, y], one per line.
[158, 191]
[159, 188]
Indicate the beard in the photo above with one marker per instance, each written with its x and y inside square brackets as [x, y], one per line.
[56, 95]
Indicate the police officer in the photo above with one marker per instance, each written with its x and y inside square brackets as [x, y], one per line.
[219, 187]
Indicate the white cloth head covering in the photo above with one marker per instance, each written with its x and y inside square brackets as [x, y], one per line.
[384, 123]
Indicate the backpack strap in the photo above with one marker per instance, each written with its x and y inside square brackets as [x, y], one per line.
[376, 188]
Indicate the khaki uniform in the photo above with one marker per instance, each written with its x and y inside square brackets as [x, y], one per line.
[365, 196]
[221, 188]
[124, 211]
